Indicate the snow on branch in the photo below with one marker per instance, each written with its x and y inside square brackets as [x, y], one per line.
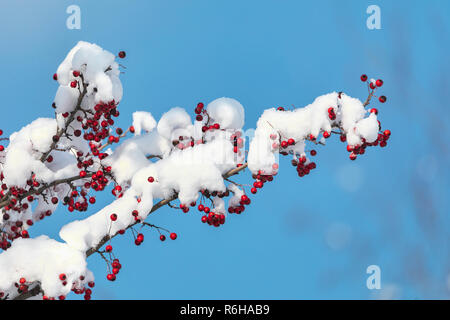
[66, 159]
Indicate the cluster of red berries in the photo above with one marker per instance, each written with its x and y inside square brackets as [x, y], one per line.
[303, 168]
[360, 149]
[19, 204]
[139, 237]
[98, 126]
[214, 219]
[200, 112]
[237, 141]
[331, 115]
[2, 148]
[261, 179]
[382, 138]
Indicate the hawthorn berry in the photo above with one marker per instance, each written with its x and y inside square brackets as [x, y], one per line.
[364, 78]
[113, 217]
[122, 54]
[111, 277]
[173, 236]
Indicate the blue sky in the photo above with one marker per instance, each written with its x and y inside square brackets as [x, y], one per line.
[301, 238]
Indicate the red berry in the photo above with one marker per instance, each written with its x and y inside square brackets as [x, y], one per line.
[73, 84]
[62, 277]
[82, 174]
[364, 78]
[173, 236]
[379, 83]
[55, 76]
[22, 280]
[382, 99]
[122, 54]
[199, 117]
[76, 73]
[326, 134]
[113, 217]
[352, 156]
[111, 277]
[387, 133]
[108, 248]
[151, 179]
[200, 105]
[162, 237]
[313, 152]
[374, 110]
[291, 141]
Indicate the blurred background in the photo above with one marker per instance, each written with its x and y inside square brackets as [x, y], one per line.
[309, 238]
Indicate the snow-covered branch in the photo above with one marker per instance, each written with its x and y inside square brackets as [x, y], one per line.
[64, 160]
